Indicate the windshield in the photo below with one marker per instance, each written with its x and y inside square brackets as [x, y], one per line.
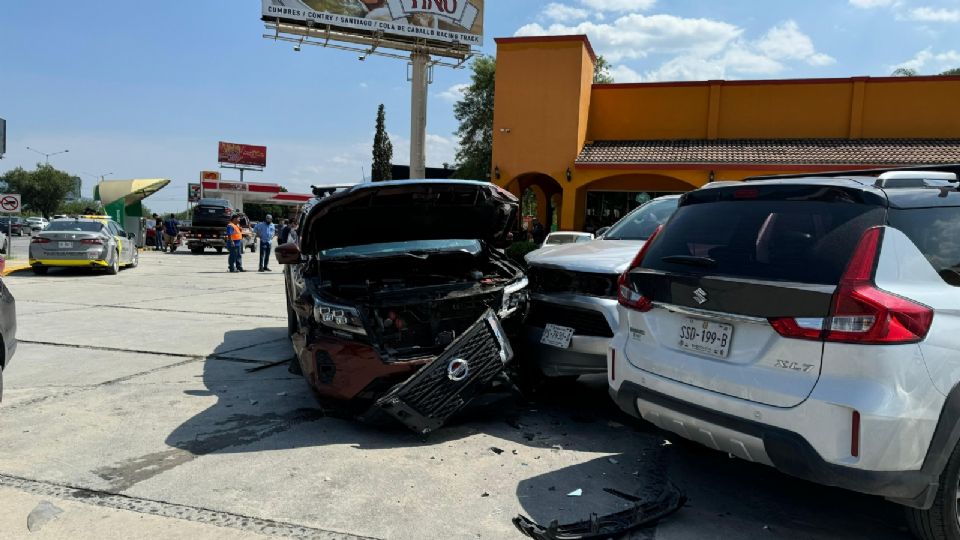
[394, 249]
[75, 226]
[640, 224]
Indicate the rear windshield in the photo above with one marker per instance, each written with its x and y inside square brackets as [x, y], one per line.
[75, 226]
[771, 240]
[640, 224]
[214, 202]
[936, 232]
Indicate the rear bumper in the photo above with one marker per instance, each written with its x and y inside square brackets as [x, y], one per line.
[72, 263]
[787, 451]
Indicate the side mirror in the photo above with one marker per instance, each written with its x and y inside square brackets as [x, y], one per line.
[132, 236]
[288, 254]
[600, 232]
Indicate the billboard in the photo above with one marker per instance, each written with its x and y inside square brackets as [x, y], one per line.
[242, 154]
[212, 176]
[76, 189]
[444, 21]
[194, 192]
[3, 137]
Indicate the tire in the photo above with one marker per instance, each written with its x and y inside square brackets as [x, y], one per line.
[197, 250]
[942, 520]
[40, 270]
[219, 250]
[114, 267]
[136, 259]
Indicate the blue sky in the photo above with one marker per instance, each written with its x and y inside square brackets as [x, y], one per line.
[146, 89]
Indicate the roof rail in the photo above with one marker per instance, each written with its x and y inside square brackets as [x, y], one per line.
[948, 168]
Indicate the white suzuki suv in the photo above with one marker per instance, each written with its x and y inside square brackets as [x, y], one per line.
[811, 324]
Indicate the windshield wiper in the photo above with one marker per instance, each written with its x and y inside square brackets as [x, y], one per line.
[690, 260]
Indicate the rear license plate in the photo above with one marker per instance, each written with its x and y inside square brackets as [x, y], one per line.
[705, 337]
[64, 245]
[557, 336]
[211, 211]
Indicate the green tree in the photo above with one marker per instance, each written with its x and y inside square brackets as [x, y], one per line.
[42, 190]
[601, 71]
[475, 114]
[905, 72]
[72, 208]
[954, 71]
[382, 150]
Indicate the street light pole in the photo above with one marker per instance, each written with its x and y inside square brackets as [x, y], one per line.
[46, 155]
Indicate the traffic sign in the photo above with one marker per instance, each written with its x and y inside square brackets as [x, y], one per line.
[9, 203]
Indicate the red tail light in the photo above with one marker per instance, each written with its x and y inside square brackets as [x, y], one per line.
[862, 313]
[92, 241]
[39, 240]
[627, 294]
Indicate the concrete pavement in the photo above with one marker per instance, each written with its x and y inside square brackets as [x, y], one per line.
[130, 407]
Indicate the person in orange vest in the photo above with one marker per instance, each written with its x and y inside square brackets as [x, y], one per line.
[235, 244]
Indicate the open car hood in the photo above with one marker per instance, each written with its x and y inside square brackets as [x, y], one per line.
[409, 210]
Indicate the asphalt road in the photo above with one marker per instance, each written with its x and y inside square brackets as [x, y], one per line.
[129, 407]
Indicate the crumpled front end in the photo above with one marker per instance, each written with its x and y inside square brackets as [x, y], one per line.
[444, 386]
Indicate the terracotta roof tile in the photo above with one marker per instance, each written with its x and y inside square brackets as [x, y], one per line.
[775, 151]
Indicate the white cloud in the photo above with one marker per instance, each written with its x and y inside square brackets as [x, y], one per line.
[869, 4]
[364, 85]
[454, 93]
[619, 5]
[927, 61]
[564, 13]
[787, 42]
[635, 36]
[696, 48]
[928, 14]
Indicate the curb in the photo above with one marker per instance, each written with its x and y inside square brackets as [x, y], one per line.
[14, 268]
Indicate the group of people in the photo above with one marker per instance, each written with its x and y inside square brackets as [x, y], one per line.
[166, 232]
[265, 232]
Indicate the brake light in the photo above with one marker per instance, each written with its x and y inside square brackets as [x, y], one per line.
[228, 211]
[39, 240]
[92, 241]
[746, 193]
[861, 312]
[627, 294]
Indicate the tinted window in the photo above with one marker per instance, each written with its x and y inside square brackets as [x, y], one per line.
[936, 232]
[214, 202]
[76, 226]
[798, 241]
[640, 224]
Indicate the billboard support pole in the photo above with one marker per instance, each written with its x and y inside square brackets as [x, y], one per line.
[418, 114]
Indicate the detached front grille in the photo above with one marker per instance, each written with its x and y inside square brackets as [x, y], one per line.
[553, 280]
[428, 398]
[585, 322]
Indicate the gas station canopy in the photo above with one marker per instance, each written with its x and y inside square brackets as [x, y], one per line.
[129, 191]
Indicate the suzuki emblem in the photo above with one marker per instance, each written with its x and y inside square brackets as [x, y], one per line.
[700, 296]
[458, 369]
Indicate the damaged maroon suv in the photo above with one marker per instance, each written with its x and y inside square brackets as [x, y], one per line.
[397, 297]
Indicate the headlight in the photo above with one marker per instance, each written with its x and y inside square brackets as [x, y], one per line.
[338, 317]
[514, 295]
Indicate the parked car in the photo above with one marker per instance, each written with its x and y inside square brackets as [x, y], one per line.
[573, 287]
[810, 324]
[8, 330]
[88, 242]
[566, 237]
[37, 224]
[13, 225]
[397, 297]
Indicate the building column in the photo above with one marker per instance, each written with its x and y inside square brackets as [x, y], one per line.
[572, 208]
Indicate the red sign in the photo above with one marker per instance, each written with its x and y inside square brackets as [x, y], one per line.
[242, 154]
[209, 175]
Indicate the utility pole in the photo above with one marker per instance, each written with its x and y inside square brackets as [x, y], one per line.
[418, 114]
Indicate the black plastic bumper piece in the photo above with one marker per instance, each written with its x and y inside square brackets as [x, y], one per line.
[641, 514]
[441, 388]
[794, 455]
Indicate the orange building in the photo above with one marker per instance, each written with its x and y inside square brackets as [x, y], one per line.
[591, 152]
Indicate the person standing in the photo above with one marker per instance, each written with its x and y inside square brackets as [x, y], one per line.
[265, 231]
[284, 232]
[158, 232]
[235, 245]
[171, 232]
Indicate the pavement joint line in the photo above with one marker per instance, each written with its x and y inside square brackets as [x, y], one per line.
[196, 514]
[214, 356]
